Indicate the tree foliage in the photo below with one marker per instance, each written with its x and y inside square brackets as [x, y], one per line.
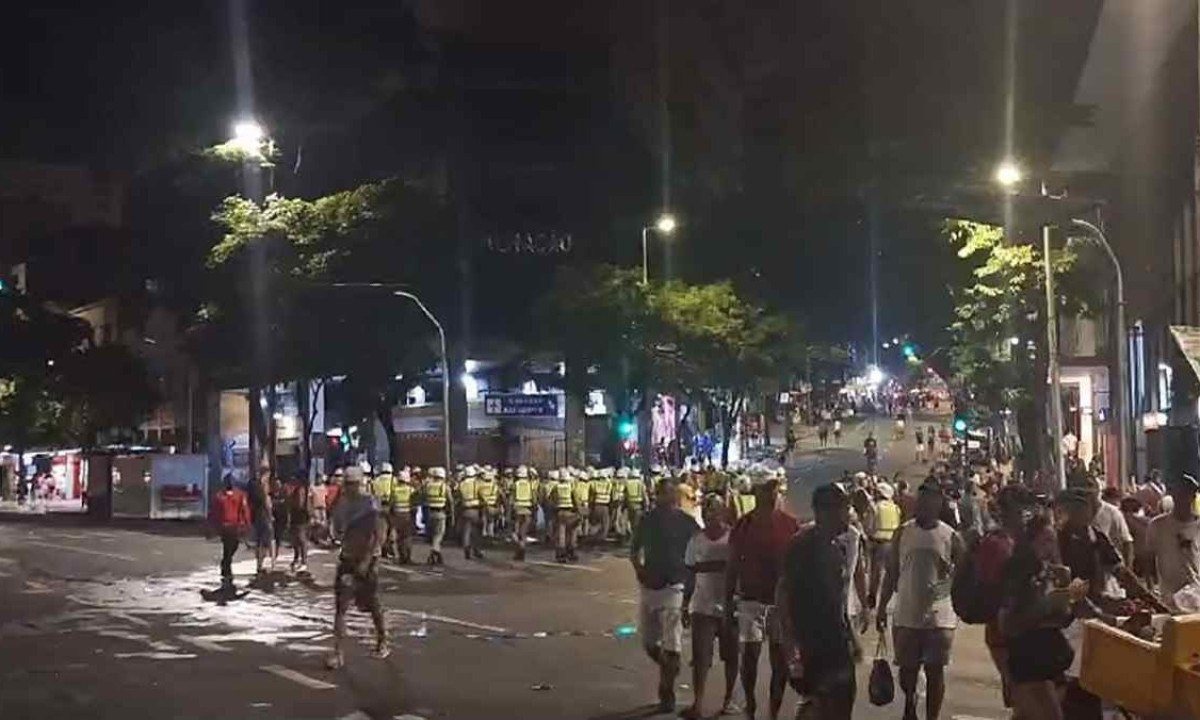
[704, 342]
[997, 355]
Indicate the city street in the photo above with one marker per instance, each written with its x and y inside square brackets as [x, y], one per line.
[111, 622]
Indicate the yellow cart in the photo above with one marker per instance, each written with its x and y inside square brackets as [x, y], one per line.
[1151, 680]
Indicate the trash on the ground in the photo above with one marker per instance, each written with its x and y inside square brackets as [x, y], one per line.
[541, 634]
[542, 686]
[420, 631]
[684, 686]
[625, 630]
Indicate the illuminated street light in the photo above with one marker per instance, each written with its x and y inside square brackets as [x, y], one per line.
[1009, 174]
[248, 136]
[874, 375]
[665, 223]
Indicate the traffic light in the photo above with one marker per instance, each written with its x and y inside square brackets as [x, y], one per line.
[627, 429]
[960, 425]
[910, 350]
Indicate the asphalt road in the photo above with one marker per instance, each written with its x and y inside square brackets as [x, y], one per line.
[109, 622]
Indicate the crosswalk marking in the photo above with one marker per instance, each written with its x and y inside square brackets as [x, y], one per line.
[298, 677]
[564, 566]
[203, 644]
[449, 621]
[85, 551]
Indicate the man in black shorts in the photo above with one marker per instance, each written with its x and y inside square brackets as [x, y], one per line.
[358, 521]
[812, 595]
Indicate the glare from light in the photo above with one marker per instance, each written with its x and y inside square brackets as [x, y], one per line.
[666, 223]
[1009, 174]
[886, 345]
[1014, 340]
[895, 341]
[874, 375]
[248, 136]
[471, 365]
[471, 386]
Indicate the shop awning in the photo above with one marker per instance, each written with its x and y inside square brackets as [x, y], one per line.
[1187, 338]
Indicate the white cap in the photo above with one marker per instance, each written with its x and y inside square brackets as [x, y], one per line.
[885, 491]
[489, 473]
[437, 472]
[386, 468]
[404, 475]
[860, 475]
[607, 472]
[553, 474]
[622, 473]
[522, 472]
[470, 471]
[365, 467]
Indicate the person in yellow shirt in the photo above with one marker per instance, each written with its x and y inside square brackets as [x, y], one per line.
[489, 502]
[882, 527]
[566, 519]
[439, 505]
[400, 513]
[600, 496]
[582, 492]
[522, 503]
[471, 516]
[635, 500]
[381, 489]
[616, 505]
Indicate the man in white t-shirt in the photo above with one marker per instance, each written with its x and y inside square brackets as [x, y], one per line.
[920, 571]
[706, 558]
[1175, 540]
[1112, 523]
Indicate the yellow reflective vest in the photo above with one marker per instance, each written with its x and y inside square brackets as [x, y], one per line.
[581, 492]
[489, 494]
[601, 491]
[435, 494]
[468, 490]
[635, 491]
[745, 503]
[523, 494]
[887, 520]
[564, 498]
[401, 497]
[381, 487]
[618, 490]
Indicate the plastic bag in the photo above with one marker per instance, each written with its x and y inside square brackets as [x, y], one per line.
[881, 687]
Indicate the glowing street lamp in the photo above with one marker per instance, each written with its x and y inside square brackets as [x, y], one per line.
[248, 136]
[665, 225]
[1009, 174]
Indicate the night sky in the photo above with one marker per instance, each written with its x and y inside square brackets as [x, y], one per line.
[781, 114]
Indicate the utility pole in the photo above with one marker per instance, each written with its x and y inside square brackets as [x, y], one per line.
[1056, 418]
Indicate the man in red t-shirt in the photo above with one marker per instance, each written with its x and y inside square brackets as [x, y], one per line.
[757, 546]
[230, 516]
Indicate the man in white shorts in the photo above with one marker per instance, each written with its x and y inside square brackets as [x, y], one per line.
[659, 545]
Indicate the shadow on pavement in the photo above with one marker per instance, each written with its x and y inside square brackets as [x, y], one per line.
[643, 711]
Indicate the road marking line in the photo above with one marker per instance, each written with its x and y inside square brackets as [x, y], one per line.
[563, 566]
[408, 571]
[203, 644]
[450, 621]
[36, 588]
[297, 677]
[55, 546]
[156, 655]
[4, 574]
[130, 618]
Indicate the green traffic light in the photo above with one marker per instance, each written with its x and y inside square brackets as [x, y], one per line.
[626, 428]
[960, 425]
[909, 349]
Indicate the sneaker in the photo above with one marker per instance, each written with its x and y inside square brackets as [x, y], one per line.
[335, 661]
[382, 651]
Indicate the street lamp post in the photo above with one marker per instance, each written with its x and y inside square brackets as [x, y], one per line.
[665, 225]
[445, 374]
[1124, 416]
[446, 455]
[1009, 175]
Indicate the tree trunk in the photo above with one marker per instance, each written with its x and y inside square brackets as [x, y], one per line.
[302, 389]
[258, 431]
[680, 426]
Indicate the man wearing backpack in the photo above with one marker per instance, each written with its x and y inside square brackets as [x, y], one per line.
[979, 581]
